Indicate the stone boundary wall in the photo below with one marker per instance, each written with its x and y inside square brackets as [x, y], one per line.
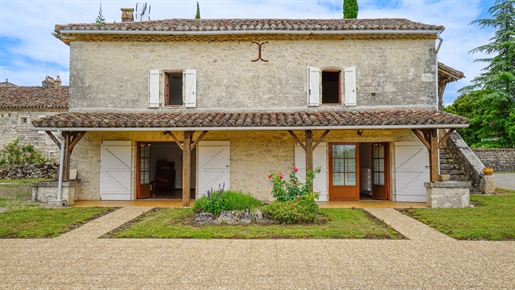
[33, 171]
[500, 159]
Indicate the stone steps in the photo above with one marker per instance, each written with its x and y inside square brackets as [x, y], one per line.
[449, 167]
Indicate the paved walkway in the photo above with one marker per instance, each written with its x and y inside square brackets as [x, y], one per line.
[428, 260]
[505, 180]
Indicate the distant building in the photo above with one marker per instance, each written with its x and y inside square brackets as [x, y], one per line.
[20, 105]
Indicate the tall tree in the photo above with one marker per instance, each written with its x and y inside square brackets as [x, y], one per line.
[100, 18]
[350, 8]
[197, 16]
[496, 83]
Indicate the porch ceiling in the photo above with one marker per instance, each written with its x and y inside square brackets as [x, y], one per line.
[303, 120]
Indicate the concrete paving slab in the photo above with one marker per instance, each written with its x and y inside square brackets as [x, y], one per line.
[505, 180]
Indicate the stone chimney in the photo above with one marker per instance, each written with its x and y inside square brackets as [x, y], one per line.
[57, 82]
[127, 14]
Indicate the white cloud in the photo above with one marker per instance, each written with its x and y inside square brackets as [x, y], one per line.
[38, 53]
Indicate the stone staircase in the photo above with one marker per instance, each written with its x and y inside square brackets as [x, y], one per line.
[449, 167]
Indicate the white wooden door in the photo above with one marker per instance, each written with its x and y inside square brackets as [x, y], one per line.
[115, 170]
[213, 170]
[411, 171]
[319, 160]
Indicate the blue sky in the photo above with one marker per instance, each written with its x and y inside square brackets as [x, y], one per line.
[29, 52]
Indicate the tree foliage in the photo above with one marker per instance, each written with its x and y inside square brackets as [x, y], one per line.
[197, 16]
[350, 8]
[492, 93]
[100, 21]
[15, 154]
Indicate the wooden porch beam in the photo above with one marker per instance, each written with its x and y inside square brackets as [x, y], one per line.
[75, 138]
[445, 137]
[320, 139]
[51, 135]
[198, 140]
[297, 140]
[174, 139]
[422, 139]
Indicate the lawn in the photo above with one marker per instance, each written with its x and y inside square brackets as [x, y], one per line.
[21, 218]
[178, 223]
[492, 218]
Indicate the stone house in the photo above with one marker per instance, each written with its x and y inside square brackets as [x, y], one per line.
[176, 107]
[20, 105]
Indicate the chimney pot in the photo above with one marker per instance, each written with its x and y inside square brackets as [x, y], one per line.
[127, 14]
[57, 82]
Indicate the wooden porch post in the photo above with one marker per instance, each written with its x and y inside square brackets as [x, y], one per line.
[67, 156]
[187, 146]
[309, 151]
[433, 155]
[186, 168]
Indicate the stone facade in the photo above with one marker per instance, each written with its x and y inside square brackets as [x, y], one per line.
[113, 76]
[500, 159]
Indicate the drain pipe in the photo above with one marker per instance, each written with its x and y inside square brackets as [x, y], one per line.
[60, 181]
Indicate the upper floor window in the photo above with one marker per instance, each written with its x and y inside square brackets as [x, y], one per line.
[325, 86]
[180, 88]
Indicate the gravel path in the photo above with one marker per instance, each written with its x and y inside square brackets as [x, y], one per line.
[428, 260]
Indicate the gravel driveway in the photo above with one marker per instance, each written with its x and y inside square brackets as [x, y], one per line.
[428, 260]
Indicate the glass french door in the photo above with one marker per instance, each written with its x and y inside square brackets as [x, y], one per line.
[344, 173]
[380, 171]
[144, 170]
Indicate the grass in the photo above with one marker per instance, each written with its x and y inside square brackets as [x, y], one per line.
[45, 222]
[22, 218]
[493, 218]
[178, 223]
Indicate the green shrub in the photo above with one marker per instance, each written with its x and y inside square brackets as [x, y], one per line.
[220, 200]
[16, 154]
[292, 211]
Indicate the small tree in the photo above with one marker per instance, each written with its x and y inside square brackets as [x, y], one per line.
[197, 16]
[100, 18]
[15, 154]
[350, 8]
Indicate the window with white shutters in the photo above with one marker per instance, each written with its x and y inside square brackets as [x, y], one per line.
[180, 88]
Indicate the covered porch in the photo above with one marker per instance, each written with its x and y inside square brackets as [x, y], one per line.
[306, 129]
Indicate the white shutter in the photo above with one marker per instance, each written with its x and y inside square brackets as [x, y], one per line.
[319, 160]
[313, 86]
[153, 88]
[190, 75]
[411, 171]
[350, 86]
[213, 170]
[115, 170]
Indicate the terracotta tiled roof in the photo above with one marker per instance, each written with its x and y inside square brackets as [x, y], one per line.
[34, 98]
[227, 25]
[248, 119]
[450, 74]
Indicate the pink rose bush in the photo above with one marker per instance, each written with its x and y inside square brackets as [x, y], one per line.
[293, 189]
